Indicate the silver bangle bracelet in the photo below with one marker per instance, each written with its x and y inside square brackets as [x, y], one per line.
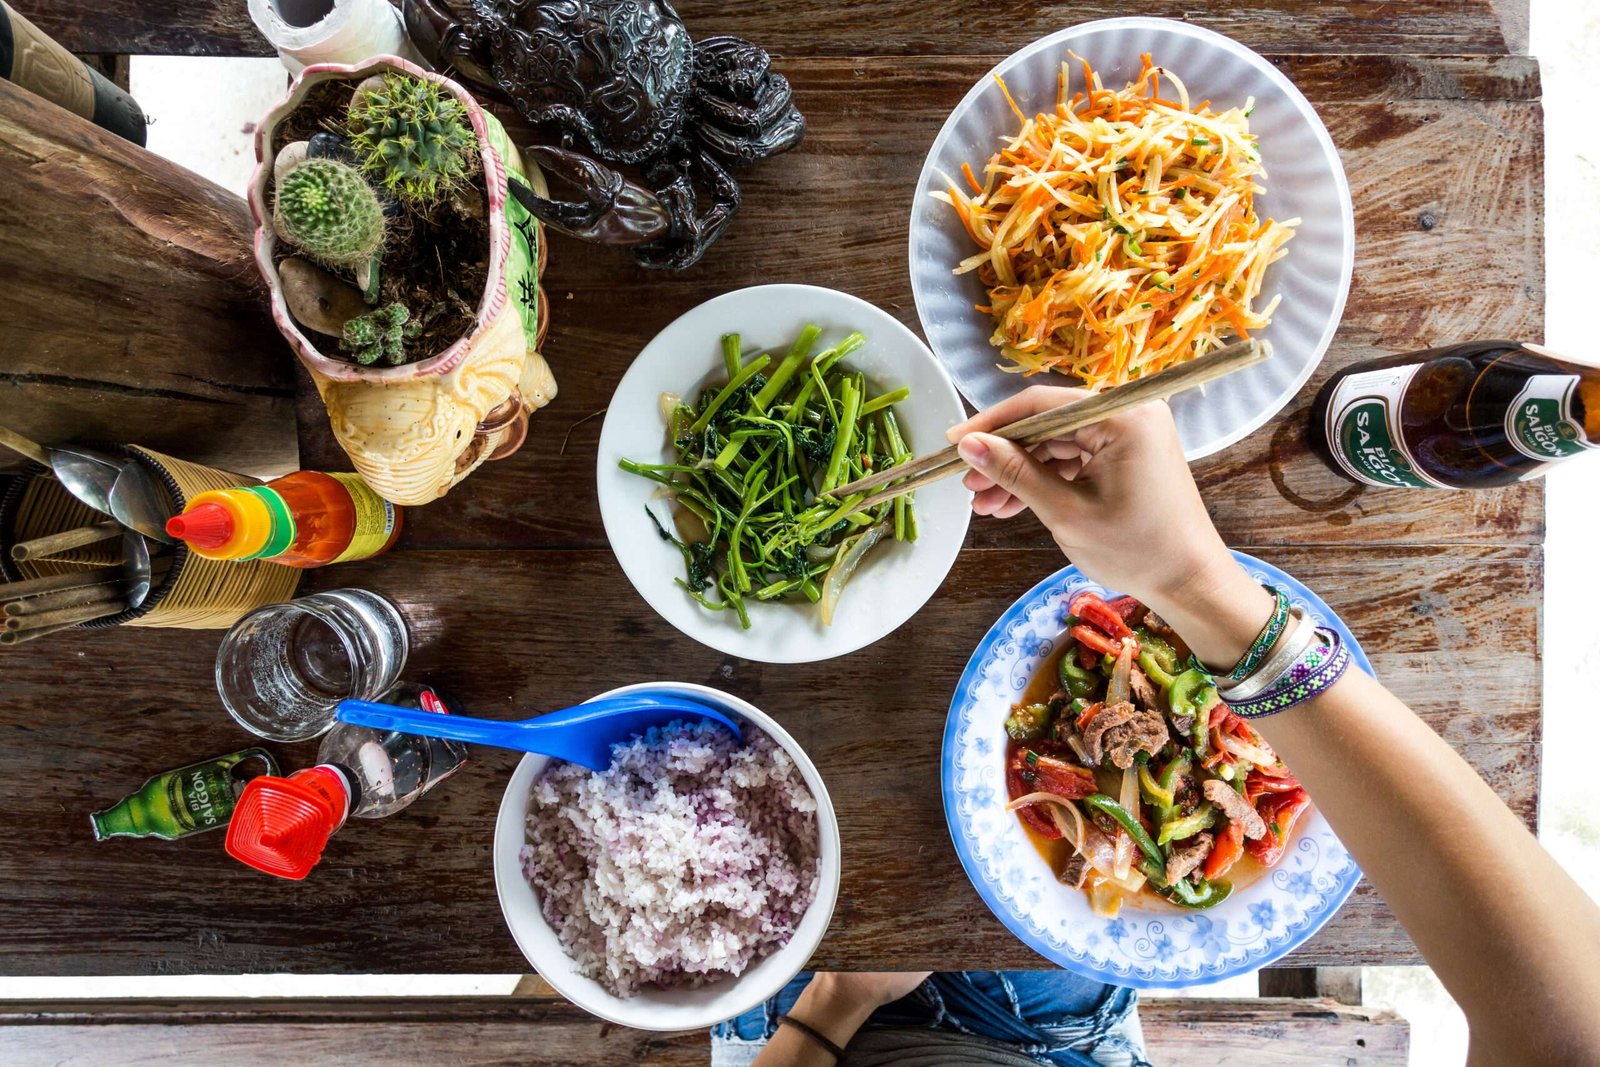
[1290, 647]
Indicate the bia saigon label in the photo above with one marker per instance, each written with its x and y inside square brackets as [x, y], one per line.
[1539, 422]
[1364, 429]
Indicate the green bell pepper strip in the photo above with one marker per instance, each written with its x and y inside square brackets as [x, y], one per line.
[1186, 826]
[1128, 821]
[1152, 788]
[1074, 679]
[1157, 659]
[1202, 895]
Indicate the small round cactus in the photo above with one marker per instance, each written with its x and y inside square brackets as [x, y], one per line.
[380, 334]
[327, 209]
[412, 138]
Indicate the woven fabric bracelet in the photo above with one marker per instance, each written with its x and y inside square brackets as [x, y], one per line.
[1259, 648]
[1302, 633]
[820, 1039]
[1323, 664]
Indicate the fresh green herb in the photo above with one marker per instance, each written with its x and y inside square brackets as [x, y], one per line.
[1199, 142]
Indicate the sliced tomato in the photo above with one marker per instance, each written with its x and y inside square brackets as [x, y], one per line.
[1088, 715]
[1096, 612]
[1088, 658]
[1127, 608]
[1042, 771]
[1226, 852]
[1092, 639]
[1281, 811]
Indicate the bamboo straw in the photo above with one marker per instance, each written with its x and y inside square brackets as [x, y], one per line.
[66, 598]
[17, 637]
[24, 447]
[50, 544]
[58, 582]
[1062, 420]
[66, 616]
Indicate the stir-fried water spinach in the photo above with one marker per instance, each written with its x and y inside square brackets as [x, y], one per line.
[758, 457]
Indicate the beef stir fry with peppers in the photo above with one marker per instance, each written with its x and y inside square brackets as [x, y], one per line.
[1133, 773]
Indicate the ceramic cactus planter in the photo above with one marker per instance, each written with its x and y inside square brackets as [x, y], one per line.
[415, 430]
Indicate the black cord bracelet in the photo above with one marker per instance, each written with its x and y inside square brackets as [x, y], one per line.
[838, 1053]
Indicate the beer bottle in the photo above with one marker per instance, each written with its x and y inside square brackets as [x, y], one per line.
[1464, 416]
[189, 800]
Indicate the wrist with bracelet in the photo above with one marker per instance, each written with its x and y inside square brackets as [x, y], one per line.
[1290, 662]
[816, 1036]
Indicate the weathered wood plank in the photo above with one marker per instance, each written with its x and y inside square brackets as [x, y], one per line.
[131, 304]
[478, 1031]
[506, 633]
[208, 27]
[1456, 138]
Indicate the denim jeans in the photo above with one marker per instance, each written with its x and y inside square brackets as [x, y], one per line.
[1056, 1017]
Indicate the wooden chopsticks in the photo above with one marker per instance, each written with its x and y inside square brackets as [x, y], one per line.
[1048, 425]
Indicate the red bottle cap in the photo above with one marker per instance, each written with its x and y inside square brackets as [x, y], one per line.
[281, 825]
[207, 526]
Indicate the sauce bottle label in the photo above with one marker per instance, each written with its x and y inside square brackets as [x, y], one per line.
[375, 519]
[1539, 422]
[1364, 429]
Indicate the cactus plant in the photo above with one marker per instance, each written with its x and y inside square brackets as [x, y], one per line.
[379, 334]
[327, 209]
[412, 138]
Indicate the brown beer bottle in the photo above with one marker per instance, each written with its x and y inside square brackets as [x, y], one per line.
[1460, 417]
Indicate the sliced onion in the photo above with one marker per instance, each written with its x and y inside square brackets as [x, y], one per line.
[1097, 849]
[1079, 751]
[1133, 883]
[669, 405]
[1037, 798]
[1259, 756]
[1120, 689]
[845, 566]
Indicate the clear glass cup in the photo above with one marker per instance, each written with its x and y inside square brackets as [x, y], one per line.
[282, 669]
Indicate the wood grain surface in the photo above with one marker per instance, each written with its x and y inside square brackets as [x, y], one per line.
[505, 633]
[884, 27]
[518, 604]
[484, 1031]
[131, 305]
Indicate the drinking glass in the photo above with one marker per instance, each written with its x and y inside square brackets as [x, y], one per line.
[282, 669]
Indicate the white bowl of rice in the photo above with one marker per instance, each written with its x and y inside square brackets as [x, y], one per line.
[684, 885]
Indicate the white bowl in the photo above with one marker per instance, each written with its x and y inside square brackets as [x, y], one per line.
[654, 1009]
[1304, 179]
[896, 580]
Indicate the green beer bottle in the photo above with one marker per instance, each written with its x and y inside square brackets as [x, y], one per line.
[189, 800]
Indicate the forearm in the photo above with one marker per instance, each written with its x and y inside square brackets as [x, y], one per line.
[1507, 931]
[822, 1007]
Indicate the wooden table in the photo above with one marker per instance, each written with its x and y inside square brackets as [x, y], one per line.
[520, 604]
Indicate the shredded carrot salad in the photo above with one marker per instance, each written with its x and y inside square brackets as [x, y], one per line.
[1119, 234]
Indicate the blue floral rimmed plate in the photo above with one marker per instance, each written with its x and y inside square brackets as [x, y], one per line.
[1142, 947]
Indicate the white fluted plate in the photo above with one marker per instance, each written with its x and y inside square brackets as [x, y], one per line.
[1304, 179]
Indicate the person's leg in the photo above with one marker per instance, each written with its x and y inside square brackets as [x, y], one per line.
[1056, 1015]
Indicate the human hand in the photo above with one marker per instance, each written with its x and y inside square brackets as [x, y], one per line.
[1117, 496]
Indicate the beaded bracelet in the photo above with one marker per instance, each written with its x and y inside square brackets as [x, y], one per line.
[1259, 648]
[1323, 664]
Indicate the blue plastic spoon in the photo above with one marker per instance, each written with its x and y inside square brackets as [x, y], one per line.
[583, 734]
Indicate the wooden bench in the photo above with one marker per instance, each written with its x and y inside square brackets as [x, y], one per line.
[478, 1031]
